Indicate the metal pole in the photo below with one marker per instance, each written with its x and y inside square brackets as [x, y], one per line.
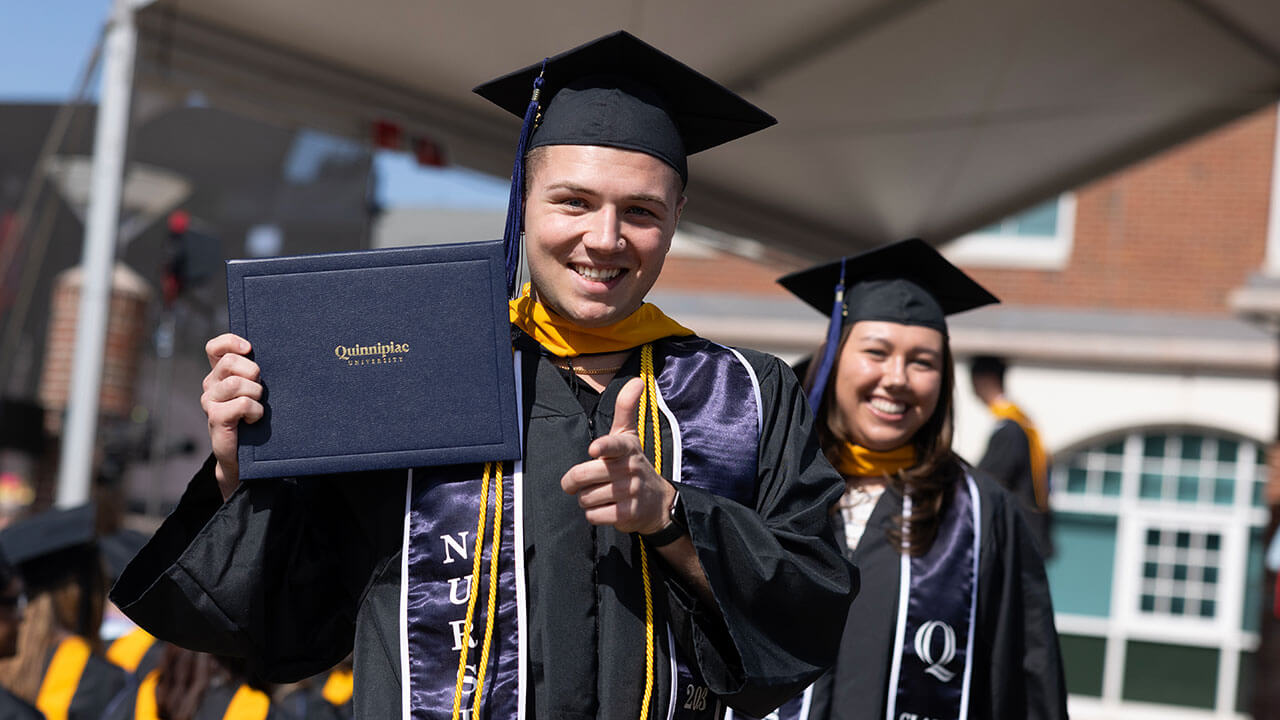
[102, 219]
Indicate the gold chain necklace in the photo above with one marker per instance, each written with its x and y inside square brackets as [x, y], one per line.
[589, 371]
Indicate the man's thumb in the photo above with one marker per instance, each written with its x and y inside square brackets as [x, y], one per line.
[626, 407]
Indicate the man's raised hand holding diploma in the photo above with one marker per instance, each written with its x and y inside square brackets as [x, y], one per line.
[231, 393]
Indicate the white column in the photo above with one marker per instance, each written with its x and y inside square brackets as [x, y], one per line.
[1271, 266]
[101, 224]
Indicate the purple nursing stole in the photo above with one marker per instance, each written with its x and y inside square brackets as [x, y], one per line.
[438, 560]
[709, 399]
[937, 602]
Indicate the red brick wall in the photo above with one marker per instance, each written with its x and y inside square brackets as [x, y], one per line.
[1176, 232]
[126, 329]
[724, 273]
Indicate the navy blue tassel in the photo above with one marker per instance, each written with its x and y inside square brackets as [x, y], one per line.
[515, 202]
[829, 350]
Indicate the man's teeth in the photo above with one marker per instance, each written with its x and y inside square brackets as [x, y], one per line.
[888, 406]
[597, 273]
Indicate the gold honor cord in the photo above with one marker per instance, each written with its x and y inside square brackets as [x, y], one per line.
[649, 402]
[472, 590]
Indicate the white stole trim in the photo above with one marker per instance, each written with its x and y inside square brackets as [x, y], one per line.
[405, 709]
[522, 636]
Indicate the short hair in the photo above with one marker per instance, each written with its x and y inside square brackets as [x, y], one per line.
[989, 365]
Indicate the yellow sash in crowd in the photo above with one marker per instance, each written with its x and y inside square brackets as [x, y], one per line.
[565, 339]
[144, 703]
[62, 678]
[338, 687]
[128, 650]
[857, 461]
[1039, 458]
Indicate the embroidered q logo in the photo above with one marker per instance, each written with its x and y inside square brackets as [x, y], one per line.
[924, 649]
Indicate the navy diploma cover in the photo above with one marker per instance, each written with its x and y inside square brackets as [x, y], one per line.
[377, 359]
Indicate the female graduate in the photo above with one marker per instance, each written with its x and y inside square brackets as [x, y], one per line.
[58, 666]
[954, 619]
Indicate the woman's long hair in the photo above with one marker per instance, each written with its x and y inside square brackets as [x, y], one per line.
[42, 628]
[937, 468]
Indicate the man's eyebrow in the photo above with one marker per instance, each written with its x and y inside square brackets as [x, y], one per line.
[636, 197]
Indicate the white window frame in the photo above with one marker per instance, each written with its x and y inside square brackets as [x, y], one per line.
[994, 250]
[1134, 516]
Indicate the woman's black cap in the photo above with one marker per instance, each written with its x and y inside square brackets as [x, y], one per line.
[52, 544]
[908, 283]
[618, 91]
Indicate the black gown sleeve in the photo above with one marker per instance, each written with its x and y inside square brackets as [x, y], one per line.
[274, 575]
[1024, 676]
[781, 583]
[100, 683]
[1007, 458]
[15, 708]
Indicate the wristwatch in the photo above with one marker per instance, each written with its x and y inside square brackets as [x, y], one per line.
[674, 528]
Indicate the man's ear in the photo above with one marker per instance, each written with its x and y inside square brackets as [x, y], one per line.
[680, 207]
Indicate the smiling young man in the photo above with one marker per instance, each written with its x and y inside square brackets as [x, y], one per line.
[663, 548]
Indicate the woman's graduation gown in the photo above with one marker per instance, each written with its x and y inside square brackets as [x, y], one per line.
[1017, 667]
[78, 685]
[290, 573]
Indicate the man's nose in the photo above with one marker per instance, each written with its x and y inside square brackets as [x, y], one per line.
[605, 235]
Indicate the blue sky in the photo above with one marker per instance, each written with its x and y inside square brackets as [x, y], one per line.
[47, 43]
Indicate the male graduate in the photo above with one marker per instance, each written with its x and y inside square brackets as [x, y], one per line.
[1014, 455]
[663, 548]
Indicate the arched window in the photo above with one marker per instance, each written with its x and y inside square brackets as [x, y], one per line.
[1157, 577]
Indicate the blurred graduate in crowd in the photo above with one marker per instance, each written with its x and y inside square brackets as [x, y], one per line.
[13, 602]
[1015, 457]
[188, 685]
[954, 618]
[324, 697]
[59, 664]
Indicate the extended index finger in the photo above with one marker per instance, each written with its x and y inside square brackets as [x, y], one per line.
[224, 344]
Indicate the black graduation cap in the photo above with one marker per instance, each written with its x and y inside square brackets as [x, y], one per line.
[51, 544]
[907, 282]
[616, 91]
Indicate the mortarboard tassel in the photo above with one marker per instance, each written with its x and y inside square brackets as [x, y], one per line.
[829, 350]
[515, 202]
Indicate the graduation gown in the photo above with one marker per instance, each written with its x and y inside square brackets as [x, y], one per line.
[13, 707]
[1008, 461]
[1017, 666]
[291, 573]
[78, 689]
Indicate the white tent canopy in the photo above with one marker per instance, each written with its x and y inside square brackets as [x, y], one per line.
[896, 117]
